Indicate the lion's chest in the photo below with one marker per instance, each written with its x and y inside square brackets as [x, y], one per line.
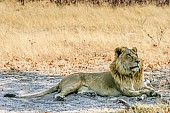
[126, 83]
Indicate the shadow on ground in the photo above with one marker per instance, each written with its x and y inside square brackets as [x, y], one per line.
[33, 82]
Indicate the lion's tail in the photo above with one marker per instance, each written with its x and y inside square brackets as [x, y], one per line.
[51, 90]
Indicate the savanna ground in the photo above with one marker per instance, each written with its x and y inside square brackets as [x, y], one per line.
[45, 39]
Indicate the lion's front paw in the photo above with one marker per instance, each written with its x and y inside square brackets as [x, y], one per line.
[153, 93]
[59, 97]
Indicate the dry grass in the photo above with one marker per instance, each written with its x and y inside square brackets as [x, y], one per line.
[148, 109]
[39, 35]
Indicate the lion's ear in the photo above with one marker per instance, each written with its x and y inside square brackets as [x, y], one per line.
[134, 49]
[118, 51]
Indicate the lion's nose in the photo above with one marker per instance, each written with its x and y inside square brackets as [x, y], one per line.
[137, 61]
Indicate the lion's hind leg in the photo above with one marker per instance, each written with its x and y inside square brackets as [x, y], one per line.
[65, 91]
[67, 88]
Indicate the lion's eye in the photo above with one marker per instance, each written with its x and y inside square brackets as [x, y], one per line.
[129, 55]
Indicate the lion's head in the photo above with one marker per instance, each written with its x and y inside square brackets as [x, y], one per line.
[126, 61]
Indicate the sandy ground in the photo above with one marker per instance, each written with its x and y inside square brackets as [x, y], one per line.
[32, 82]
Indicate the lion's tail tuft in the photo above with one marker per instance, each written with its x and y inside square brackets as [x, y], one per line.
[10, 95]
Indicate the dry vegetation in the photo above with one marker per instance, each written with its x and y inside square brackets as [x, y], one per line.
[44, 37]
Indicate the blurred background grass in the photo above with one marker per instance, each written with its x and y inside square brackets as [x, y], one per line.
[43, 36]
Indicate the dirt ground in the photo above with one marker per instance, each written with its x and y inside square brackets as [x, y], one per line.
[33, 82]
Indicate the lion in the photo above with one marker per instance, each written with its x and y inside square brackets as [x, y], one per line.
[125, 78]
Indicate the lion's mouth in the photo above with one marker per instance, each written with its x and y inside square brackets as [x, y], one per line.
[135, 68]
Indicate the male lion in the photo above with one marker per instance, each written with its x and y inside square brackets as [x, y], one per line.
[125, 78]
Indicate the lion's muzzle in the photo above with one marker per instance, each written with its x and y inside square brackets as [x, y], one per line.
[135, 68]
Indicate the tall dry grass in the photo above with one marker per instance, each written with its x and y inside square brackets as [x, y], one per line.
[70, 36]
